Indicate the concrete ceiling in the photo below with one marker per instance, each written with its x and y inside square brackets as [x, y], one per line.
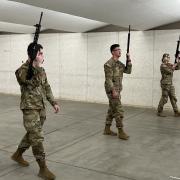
[86, 15]
[15, 28]
[27, 15]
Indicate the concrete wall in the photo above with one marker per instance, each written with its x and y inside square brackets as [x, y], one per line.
[74, 64]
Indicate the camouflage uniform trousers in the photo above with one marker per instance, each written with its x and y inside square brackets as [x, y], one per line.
[168, 91]
[33, 120]
[115, 111]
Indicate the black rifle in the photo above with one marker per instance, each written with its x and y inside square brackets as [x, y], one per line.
[33, 55]
[177, 50]
[128, 44]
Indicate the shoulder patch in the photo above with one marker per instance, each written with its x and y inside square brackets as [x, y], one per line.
[107, 64]
[163, 65]
[24, 66]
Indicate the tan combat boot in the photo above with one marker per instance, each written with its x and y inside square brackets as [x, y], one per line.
[176, 114]
[44, 172]
[107, 131]
[17, 156]
[160, 114]
[122, 134]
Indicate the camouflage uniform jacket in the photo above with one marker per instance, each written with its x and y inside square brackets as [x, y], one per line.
[34, 92]
[114, 74]
[167, 73]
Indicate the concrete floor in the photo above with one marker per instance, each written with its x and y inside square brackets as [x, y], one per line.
[77, 150]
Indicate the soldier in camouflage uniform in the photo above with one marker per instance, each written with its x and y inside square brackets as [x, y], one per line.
[34, 92]
[114, 70]
[168, 89]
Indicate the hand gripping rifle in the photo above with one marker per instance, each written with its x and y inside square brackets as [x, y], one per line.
[128, 44]
[34, 51]
[177, 51]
